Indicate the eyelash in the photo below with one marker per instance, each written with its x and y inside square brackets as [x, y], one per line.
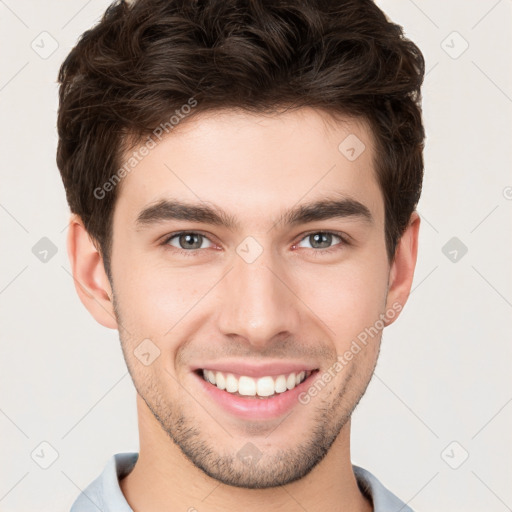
[316, 252]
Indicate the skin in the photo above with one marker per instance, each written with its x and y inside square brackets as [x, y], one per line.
[292, 303]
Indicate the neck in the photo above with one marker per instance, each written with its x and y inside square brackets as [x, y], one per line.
[163, 478]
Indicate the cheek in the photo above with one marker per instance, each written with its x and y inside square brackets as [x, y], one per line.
[154, 298]
[348, 298]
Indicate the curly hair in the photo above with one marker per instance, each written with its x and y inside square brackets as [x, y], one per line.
[145, 59]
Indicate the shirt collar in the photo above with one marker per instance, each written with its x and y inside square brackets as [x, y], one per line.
[105, 493]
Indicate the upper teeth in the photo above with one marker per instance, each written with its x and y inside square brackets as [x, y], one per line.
[264, 386]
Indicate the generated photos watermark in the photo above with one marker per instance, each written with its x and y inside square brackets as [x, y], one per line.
[144, 150]
[342, 360]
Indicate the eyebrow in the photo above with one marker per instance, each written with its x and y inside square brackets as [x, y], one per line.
[165, 210]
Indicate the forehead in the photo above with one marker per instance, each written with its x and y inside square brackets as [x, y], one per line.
[255, 165]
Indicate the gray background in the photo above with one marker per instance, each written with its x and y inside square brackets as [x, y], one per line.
[442, 389]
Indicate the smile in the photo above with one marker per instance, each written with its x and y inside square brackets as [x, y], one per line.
[259, 398]
[262, 387]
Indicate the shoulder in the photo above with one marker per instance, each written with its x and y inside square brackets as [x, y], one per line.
[383, 499]
[104, 492]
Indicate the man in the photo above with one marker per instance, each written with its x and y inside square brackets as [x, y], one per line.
[243, 178]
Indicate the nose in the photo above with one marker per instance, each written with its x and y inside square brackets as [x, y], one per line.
[257, 302]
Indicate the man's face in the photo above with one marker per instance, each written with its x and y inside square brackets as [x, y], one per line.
[262, 291]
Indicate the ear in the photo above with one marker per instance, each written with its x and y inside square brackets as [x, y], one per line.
[402, 269]
[91, 281]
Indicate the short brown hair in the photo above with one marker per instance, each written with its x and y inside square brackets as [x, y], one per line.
[145, 60]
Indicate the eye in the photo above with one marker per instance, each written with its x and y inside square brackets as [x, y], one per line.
[323, 240]
[187, 241]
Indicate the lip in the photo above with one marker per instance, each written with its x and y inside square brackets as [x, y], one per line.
[254, 408]
[270, 368]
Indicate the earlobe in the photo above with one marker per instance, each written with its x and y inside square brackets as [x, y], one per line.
[402, 269]
[91, 281]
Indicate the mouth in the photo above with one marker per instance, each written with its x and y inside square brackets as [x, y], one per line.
[254, 398]
[250, 387]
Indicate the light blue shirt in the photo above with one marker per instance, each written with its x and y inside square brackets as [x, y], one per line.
[104, 494]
